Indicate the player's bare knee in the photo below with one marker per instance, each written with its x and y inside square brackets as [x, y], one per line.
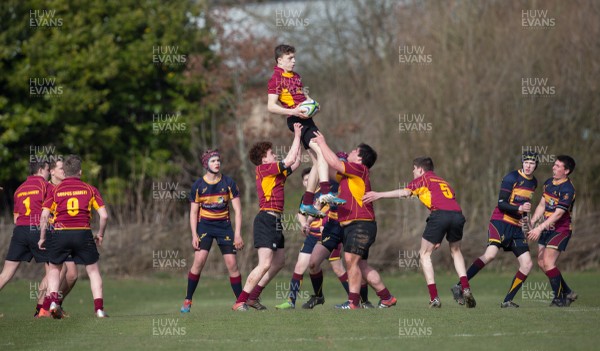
[71, 276]
[488, 257]
[264, 267]
[197, 267]
[549, 263]
[233, 270]
[424, 255]
[540, 262]
[525, 267]
[313, 267]
[232, 266]
[339, 271]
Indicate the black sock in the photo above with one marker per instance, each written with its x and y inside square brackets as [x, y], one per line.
[317, 283]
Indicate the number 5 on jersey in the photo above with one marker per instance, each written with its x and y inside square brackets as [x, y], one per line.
[446, 190]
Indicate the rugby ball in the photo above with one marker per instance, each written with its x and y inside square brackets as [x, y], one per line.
[309, 107]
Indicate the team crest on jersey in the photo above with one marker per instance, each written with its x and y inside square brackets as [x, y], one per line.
[220, 200]
[566, 197]
[551, 202]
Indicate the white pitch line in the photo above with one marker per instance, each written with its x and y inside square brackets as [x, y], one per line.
[503, 334]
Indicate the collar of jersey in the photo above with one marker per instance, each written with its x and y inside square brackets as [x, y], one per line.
[524, 176]
[560, 181]
[284, 73]
[216, 181]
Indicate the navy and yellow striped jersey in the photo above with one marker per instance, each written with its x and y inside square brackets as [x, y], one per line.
[516, 189]
[214, 197]
[559, 194]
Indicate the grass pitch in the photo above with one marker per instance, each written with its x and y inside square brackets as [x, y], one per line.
[144, 315]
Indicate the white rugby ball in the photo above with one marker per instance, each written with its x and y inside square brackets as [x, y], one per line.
[309, 107]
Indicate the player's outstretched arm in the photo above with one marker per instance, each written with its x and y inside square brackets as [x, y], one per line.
[392, 194]
[332, 160]
[194, 208]
[274, 107]
[298, 160]
[290, 159]
[238, 242]
[103, 214]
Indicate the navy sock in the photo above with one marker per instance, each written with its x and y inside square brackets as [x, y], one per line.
[295, 286]
[474, 269]
[193, 280]
[555, 278]
[236, 285]
[515, 285]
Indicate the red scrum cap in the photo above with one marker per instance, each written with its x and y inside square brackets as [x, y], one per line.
[208, 154]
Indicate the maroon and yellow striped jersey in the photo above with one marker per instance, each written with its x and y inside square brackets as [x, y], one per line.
[354, 184]
[288, 85]
[29, 199]
[270, 181]
[214, 198]
[72, 201]
[434, 192]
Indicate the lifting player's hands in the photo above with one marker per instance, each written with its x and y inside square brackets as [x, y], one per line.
[319, 138]
[371, 196]
[297, 130]
[238, 242]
